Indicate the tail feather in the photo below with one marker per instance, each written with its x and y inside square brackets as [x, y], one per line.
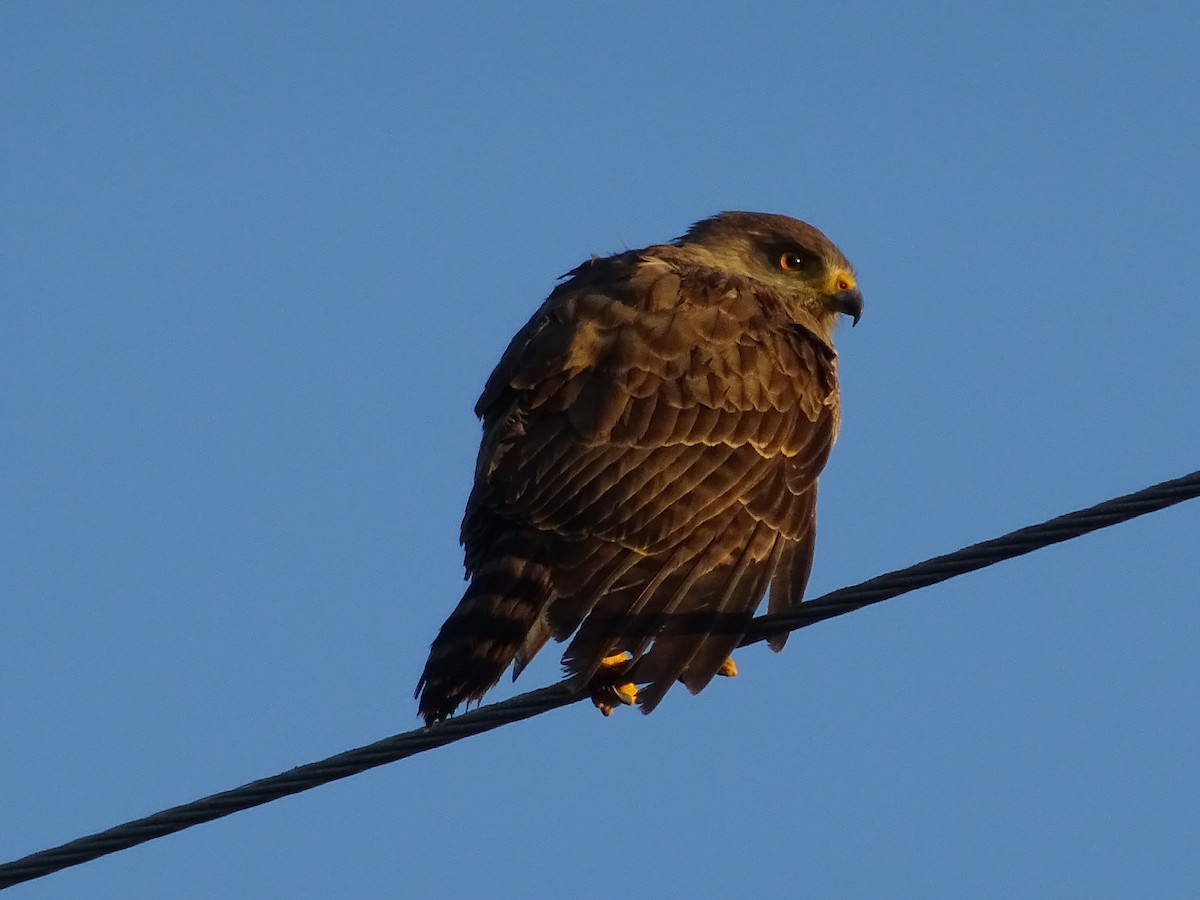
[502, 606]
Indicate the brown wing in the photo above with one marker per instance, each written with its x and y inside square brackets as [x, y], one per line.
[660, 429]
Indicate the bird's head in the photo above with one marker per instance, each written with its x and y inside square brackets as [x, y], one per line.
[800, 264]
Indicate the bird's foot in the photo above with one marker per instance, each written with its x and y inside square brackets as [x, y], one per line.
[728, 668]
[610, 687]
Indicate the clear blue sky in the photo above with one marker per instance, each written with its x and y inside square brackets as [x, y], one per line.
[256, 265]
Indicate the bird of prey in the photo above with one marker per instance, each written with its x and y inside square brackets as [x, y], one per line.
[651, 444]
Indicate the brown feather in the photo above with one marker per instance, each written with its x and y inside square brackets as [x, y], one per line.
[652, 440]
[710, 656]
[719, 616]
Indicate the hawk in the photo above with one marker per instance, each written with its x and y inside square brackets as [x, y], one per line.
[651, 444]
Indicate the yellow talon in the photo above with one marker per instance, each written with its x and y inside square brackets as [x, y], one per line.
[728, 668]
[609, 687]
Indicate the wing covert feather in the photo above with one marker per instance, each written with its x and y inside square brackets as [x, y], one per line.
[665, 436]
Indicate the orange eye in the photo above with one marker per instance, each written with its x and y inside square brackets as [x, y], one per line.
[789, 262]
[843, 284]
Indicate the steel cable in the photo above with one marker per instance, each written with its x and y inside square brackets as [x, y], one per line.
[397, 747]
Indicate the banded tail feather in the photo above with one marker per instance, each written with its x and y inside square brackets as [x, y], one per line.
[503, 603]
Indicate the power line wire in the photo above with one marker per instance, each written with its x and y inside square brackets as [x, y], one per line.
[397, 747]
[977, 556]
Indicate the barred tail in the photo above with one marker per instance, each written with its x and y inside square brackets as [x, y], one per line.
[504, 602]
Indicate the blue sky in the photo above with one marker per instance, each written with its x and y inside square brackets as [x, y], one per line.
[256, 265]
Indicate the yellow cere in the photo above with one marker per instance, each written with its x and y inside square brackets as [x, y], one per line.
[841, 280]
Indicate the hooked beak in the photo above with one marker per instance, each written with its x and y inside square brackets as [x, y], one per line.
[850, 303]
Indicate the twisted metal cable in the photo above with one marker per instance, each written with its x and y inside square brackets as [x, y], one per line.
[401, 746]
[977, 556]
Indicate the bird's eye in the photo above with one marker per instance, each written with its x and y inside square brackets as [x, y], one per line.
[843, 284]
[790, 262]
